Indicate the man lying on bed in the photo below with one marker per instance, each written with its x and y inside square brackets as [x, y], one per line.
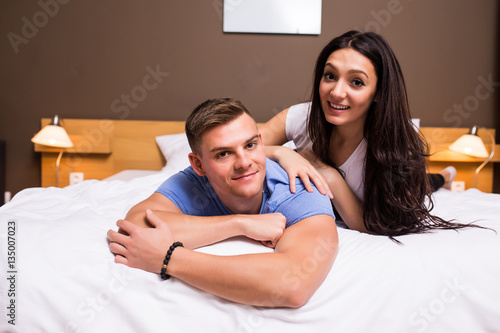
[231, 189]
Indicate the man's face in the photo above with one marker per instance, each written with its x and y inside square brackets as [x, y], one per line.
[234, 161]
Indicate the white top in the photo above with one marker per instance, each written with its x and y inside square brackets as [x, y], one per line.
[296, 130]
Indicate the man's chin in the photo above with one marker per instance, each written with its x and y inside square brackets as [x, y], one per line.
[249, 193]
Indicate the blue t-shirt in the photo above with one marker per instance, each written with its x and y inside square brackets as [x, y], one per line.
[194, 195]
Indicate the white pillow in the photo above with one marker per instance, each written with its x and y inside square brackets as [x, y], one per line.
[175, 148]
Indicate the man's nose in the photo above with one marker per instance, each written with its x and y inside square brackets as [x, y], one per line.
[242, 160]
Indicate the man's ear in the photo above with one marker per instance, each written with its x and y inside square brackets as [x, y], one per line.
[197, 164]
[261, 141]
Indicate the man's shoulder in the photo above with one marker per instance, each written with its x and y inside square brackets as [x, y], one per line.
[294, 206]
[274, 172]
[192, 193]
[186, 178]
[278, 183]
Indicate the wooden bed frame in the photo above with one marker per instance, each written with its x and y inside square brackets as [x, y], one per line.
[103, 148]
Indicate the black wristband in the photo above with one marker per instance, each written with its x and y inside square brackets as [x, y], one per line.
[163, 273]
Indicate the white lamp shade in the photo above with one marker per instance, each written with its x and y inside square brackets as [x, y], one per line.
[54, 136]
[470, 144]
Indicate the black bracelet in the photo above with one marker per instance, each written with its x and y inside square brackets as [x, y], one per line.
[163, 273]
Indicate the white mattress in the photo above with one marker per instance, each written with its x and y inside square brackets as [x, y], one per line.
[66, 279]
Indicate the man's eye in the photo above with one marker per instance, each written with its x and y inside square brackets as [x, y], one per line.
[222, 154]
[251, 145]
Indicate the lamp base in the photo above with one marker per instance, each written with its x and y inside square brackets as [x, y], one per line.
[58, 162]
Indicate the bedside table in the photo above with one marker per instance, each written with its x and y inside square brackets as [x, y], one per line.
[440, 138]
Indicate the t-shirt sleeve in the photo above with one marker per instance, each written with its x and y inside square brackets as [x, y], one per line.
[296, 126]
[303, 204]
[179, 195]
[189, 195]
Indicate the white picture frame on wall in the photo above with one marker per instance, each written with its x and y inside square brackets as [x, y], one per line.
[272, 16]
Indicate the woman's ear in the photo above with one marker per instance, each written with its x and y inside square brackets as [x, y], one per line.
[196, 164]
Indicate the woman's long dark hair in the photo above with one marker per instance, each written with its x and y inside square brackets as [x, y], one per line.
[395, 178]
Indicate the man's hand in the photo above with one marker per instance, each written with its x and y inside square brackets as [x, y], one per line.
[142, 248]
[265, 228]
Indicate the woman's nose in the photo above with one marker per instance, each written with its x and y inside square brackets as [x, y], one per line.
[338, 91]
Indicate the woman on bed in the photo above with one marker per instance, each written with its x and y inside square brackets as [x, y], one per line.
[356, 140]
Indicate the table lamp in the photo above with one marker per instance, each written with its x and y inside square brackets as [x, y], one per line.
[471, 144]
[54, 135]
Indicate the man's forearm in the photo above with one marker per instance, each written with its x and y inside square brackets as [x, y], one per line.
[267, 279]
[285, 278]
[255, 279]
[193, 231]
[199, 231]
[289, 276]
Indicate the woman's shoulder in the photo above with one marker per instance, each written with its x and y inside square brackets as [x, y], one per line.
[298, 112]
[301, 107]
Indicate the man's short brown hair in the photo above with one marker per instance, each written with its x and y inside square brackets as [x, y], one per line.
[210, 114]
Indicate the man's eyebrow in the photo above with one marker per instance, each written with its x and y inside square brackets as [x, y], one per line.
[222, 148]
[358, 71]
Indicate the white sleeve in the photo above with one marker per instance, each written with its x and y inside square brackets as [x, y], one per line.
[296, 126]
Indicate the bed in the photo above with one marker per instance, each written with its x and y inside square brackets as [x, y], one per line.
[59, 275]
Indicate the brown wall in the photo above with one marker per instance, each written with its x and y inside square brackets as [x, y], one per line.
[86, 57]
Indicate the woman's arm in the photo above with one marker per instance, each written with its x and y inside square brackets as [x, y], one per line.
[273, 132]
[344, 200]
[308, 168]
[273, 135]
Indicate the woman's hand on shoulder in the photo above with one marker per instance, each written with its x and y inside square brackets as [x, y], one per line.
[298, 165]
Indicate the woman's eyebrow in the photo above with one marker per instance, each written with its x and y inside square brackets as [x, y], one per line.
[352, 71]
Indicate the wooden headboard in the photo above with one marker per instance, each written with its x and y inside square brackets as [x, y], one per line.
[103, 148]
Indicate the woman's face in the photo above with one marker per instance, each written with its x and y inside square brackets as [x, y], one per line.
[347, 88]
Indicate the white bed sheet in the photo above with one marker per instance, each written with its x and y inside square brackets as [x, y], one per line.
[130, 174]
[66, 280]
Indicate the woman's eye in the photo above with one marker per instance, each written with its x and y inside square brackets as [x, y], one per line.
[329, 76]
[358, 83]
